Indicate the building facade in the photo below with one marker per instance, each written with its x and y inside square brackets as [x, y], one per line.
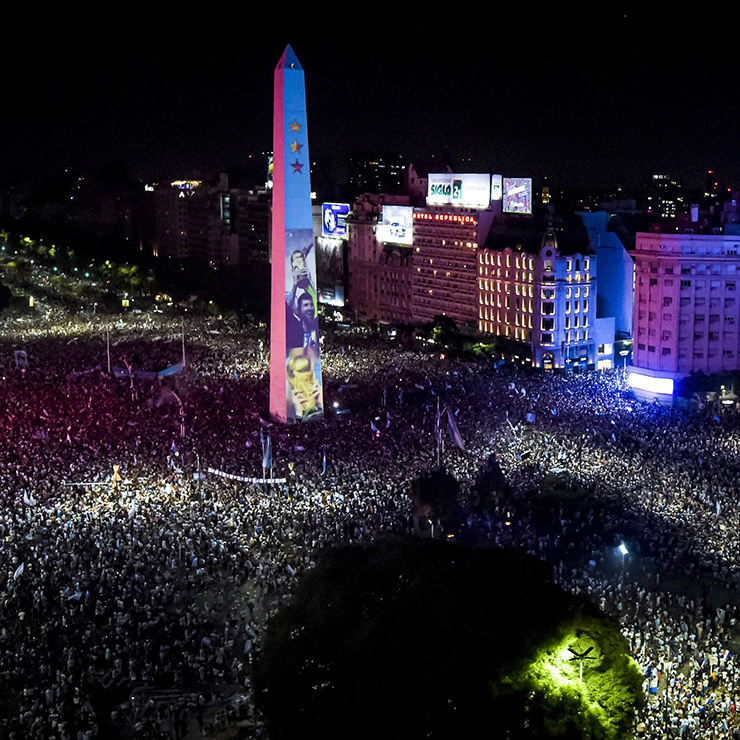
[379, 275]
[686, 309]
[191, 220]
[538, 286]
[444, 263]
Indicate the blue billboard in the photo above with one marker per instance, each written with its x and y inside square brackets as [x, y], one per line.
[334, 220]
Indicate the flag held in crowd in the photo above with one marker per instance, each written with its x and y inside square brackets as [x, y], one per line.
[453, 431]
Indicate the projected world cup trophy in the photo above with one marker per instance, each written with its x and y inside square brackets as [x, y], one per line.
[295, 354]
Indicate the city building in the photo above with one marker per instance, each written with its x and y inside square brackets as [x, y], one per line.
[191, 220]
[379, 275]
[412, 257]
[686, 311]
[616, 271]
[444, 275]
[664, 197]
[537, 285]
[251, 218]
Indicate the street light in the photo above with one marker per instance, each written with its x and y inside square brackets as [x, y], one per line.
[623, 549]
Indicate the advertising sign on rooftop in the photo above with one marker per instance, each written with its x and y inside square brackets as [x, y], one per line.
[469, 190]
[396, 225]
[517, 195]
[334, 220]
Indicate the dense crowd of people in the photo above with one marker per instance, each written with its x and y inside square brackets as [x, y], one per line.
[135, 586]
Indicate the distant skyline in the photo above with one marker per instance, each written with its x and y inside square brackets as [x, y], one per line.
[596, 100]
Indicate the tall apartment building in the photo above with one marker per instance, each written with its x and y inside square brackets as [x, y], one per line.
[686, 309]
[444, 262]
[192, 220]
[537, 285]
[252, 222]
[663, 197]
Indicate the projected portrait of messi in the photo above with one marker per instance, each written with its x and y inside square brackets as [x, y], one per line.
[302, 326]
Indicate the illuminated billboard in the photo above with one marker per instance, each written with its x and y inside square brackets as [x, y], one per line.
[517, 195]
[651, 384]
[496, 187]
[334, 220]
[396, 225]
[330, 270]
[469, 190]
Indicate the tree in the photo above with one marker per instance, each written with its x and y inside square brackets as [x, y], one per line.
[424, 639]
[434, 496]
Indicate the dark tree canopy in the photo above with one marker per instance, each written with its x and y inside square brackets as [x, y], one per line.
[425, 639]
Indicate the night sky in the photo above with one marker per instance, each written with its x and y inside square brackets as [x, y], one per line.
[596, 99]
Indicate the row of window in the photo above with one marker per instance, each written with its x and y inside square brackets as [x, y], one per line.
[527, 263]
[683, 354]
[571, 337]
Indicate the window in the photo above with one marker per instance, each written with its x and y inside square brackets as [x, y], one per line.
[666, 351]
[667, 301]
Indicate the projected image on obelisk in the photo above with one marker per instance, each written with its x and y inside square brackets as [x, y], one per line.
[295, 356]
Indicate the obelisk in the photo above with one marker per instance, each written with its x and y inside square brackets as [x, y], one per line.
[296, 392]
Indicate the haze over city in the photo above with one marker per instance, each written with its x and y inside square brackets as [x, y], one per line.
[594, 98]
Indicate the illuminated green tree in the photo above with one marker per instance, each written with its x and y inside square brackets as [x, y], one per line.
[425, 639]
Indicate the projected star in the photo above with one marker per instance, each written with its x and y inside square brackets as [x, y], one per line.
[295, 147]
[295, 126]
[297, 166]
